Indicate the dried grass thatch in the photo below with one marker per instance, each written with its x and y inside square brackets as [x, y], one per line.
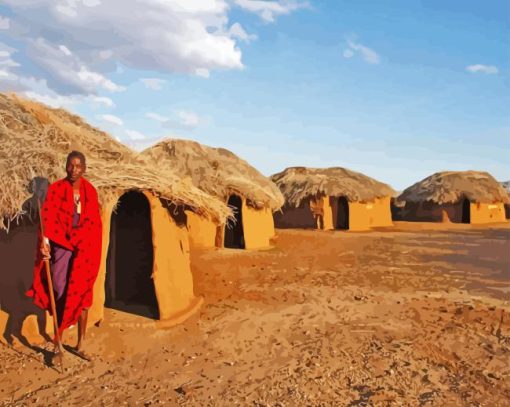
[299, 183]
[452, 186]
[506, 185]
[35, 140]
[216, 171]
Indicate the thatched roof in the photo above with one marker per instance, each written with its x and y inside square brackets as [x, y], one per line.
[35, 140]
[299, 183]
[506, 185]
[452, 186]
[216, 171]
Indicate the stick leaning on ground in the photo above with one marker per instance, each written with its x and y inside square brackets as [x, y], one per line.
[52, 296]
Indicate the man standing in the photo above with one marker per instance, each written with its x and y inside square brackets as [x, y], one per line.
[72, 241]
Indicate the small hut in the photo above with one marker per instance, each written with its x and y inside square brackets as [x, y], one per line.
[139, 211]
[332, 198]
[455, 196]
[220, 173]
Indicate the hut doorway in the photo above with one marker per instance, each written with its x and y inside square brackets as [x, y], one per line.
[234, 232]
[466, 211]
[129, 285]
[342, 216]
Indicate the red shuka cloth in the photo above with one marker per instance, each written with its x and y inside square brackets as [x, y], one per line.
[84, 241]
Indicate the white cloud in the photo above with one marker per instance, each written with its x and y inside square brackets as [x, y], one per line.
[368, 54]
[163, 36]
[5, 58]
[106, 54]
[348, 53]
[75, 45]
[98, 80]
[153, 83]
[65, 50]
[38, 89]
[269, 10]
[237, 31]
[134, 135]
[66, 73]
[101, 101]
[188, 119]
[91, 3]
[157, 117]
[4, 23]
[112, 119]
[181, 119]
[488, 69]
[204, 73]
[58, 101]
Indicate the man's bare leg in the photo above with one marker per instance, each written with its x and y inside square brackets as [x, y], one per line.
[58, 345]
[82, 329]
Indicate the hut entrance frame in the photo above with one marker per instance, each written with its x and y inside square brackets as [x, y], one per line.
[234, 231]
[128, 284]
[342, 214]
[466, 211]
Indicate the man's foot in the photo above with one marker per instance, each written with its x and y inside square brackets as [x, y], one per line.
[58, 356]
[59, 350]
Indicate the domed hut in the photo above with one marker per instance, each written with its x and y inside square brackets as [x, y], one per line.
[145, 264]
[220, 173]
[455, 196]
[332, 198]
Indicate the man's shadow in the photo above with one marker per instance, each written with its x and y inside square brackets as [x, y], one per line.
[18, 249]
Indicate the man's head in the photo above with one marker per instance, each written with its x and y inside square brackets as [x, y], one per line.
[75, 165]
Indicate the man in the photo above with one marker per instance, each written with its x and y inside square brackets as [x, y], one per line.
[72, 242]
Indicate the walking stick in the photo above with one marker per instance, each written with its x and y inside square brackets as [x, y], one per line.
[52, 296]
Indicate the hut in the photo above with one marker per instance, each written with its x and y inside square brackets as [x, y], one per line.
[455, 196]
[220, 173]
[156, 280]
[332, 198]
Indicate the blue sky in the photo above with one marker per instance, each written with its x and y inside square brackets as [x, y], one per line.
[395, 89]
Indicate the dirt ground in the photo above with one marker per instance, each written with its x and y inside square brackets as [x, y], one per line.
[413, 315]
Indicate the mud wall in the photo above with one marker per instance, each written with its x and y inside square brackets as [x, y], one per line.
[487, 213]
[202, 232]
[173, 281]
[258, 226]
[362, 216]
[432, 212]
[381, 212]
[291, 217]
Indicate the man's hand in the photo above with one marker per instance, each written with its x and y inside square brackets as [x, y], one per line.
[45, 250]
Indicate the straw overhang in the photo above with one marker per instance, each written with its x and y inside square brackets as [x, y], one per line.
[300, 183]
[453, 186]
[35, 140]
[216, 171]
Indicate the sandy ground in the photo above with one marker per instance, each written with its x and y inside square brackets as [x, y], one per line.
[413, 315]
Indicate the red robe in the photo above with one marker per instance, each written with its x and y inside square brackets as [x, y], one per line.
[84, 240]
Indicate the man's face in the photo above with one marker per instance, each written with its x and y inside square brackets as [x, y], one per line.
[75, 169]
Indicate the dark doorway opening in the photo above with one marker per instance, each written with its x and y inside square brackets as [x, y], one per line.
[234, 232]
[129, 285]
[342, 218]
[466, 211]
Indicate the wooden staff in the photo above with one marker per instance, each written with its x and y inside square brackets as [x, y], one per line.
[52, 295]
